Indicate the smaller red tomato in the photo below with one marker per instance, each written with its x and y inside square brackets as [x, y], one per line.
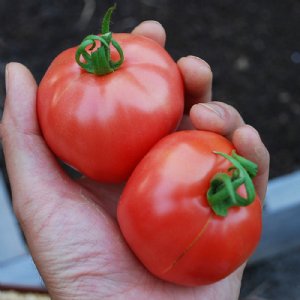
[189, 214]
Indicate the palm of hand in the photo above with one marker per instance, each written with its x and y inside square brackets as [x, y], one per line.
[83, 252]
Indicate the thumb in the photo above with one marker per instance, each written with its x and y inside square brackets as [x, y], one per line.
[19, 111]
[30, 165]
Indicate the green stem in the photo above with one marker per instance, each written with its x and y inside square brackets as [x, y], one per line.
[98, 60]
[223, 194]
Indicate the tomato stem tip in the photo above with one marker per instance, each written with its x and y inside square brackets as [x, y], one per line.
[223, 194]
[97, 60]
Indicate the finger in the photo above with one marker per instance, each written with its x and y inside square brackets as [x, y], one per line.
[30, 164]
[153, 30]
[197, 77]
[249, 144]
[217, 117]
[19, 117]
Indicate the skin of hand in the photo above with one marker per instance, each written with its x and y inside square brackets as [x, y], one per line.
[70, 226]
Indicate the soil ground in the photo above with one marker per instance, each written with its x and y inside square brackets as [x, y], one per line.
[253, 48]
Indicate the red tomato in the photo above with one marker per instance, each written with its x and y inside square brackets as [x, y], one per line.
[167, 221]
[104, 125]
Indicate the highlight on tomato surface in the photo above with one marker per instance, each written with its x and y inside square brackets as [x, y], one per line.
[102, 105]
[189, 211]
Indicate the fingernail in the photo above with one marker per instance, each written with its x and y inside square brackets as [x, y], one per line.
[152, 21]
[200, 59]
[214, 108]
[147, 21]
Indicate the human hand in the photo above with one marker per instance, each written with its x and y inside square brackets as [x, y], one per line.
[70, 226]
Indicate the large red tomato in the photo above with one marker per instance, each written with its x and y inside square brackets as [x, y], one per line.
[103, 125]
[167, 220]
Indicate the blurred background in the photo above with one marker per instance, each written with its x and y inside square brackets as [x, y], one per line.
[253, 48]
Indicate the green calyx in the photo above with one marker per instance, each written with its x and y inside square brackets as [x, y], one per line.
[222, 193]
[97, 60]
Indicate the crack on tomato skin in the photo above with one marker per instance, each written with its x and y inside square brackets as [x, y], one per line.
[189, 247]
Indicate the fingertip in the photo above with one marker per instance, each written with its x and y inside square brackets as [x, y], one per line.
[209, 116]
[198, 77]
[246, 139]
[248, 143]
[18, 69]
[153, 30]
[192, 59]
[246, 135]
[18, 78]
[21, 87]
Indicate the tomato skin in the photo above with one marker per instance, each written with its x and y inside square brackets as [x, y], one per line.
[104, 125]
[167, 222]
